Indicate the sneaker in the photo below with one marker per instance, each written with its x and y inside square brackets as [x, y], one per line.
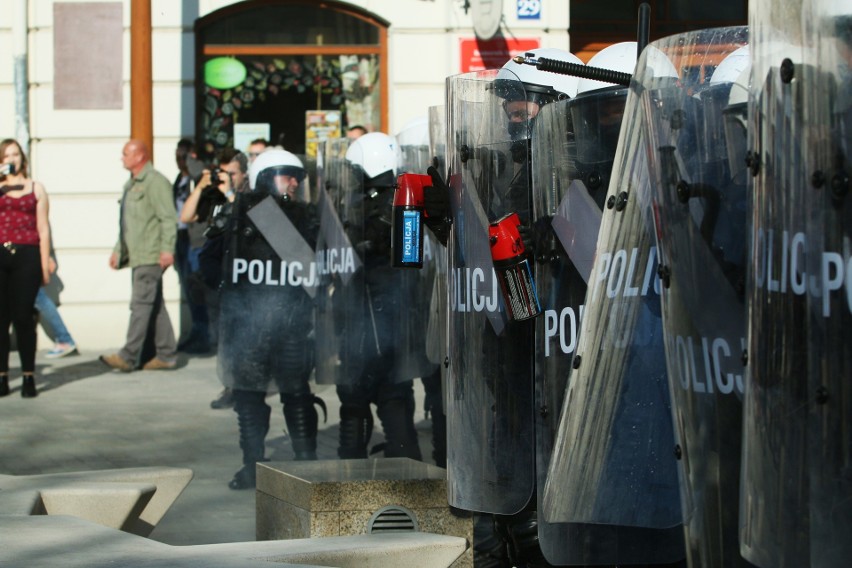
[157, 364]
[115, 361]
[61, 350]
[225, 400]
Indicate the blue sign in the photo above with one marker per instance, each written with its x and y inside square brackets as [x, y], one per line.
[529, 9]
[411, 237]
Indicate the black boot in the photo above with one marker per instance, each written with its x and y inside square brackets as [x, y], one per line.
[4, 384]
[439, 438]
[28, 388]
[301, 418]
[489, 548]
[253, 419]
[397, 416]
[356, 428]
[520, 533]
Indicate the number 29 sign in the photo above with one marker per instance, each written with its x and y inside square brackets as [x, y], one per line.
[529, 9]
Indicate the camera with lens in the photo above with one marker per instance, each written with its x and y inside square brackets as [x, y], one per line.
[211, 196]
[215, 182]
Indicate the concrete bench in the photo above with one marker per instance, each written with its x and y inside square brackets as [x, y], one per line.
[325, 498]
[133, 500]
[50, 541]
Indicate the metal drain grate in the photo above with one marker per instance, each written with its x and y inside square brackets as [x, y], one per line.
[392, 519]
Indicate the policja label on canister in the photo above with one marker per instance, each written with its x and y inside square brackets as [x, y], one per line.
[512, 266]
[407, 230]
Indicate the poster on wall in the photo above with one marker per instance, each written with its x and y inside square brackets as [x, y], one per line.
[476, 54]
[320, 125]
[245, 132]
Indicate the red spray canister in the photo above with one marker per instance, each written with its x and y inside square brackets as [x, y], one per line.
[513, 269]
[407, 229]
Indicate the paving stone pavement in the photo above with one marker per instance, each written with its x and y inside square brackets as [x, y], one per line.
[88, 417]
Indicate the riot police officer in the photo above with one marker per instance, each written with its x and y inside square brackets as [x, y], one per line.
[367, 304]
[490, 399]
[426, 285]
[265, 341]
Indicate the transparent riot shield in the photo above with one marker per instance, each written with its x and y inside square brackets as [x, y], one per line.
[490, 386]
[413, 147]
[270, 282]
[828, 143]
[573, 148]
[436, 330]
[796, 481]
[696, 139]
[436, 337]
[340, 268]
[613, 462]
[418, 285]
[774, 516]
[372, 326]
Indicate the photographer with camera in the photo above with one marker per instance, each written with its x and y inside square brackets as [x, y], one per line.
[216, 186]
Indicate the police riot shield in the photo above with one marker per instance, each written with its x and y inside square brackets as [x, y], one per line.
[436, 335]
[828, 145]
[418, 285]
[339, 267]
[573, 148]
[774, 527]
[393, 318]
[365, 332]
[613, 462]
[696, 138]
[796, 482]
[267, 296]
[436, 331]
[490, 386]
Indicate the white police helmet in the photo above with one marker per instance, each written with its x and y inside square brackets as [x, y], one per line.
[730, 68]
[413, 145]
[414, 133]
[272, 162]
[619, 57]
[658, 66]
[374, 153]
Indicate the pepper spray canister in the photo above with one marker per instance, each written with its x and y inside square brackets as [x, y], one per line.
[513, 268]
[408, 212]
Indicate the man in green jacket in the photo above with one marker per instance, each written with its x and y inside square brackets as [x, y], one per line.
[146, 243]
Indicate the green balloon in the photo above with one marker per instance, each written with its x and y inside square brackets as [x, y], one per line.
[224, 72]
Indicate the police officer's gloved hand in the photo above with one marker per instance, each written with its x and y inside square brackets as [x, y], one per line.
[528, 238]
[436, 201]
[537, 237]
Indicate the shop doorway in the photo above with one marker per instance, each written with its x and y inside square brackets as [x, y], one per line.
[327, 62]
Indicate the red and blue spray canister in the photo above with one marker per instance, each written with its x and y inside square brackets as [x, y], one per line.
[408, 213]
[513, 268]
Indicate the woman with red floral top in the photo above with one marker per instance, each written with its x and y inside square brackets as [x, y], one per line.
[24, 257]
